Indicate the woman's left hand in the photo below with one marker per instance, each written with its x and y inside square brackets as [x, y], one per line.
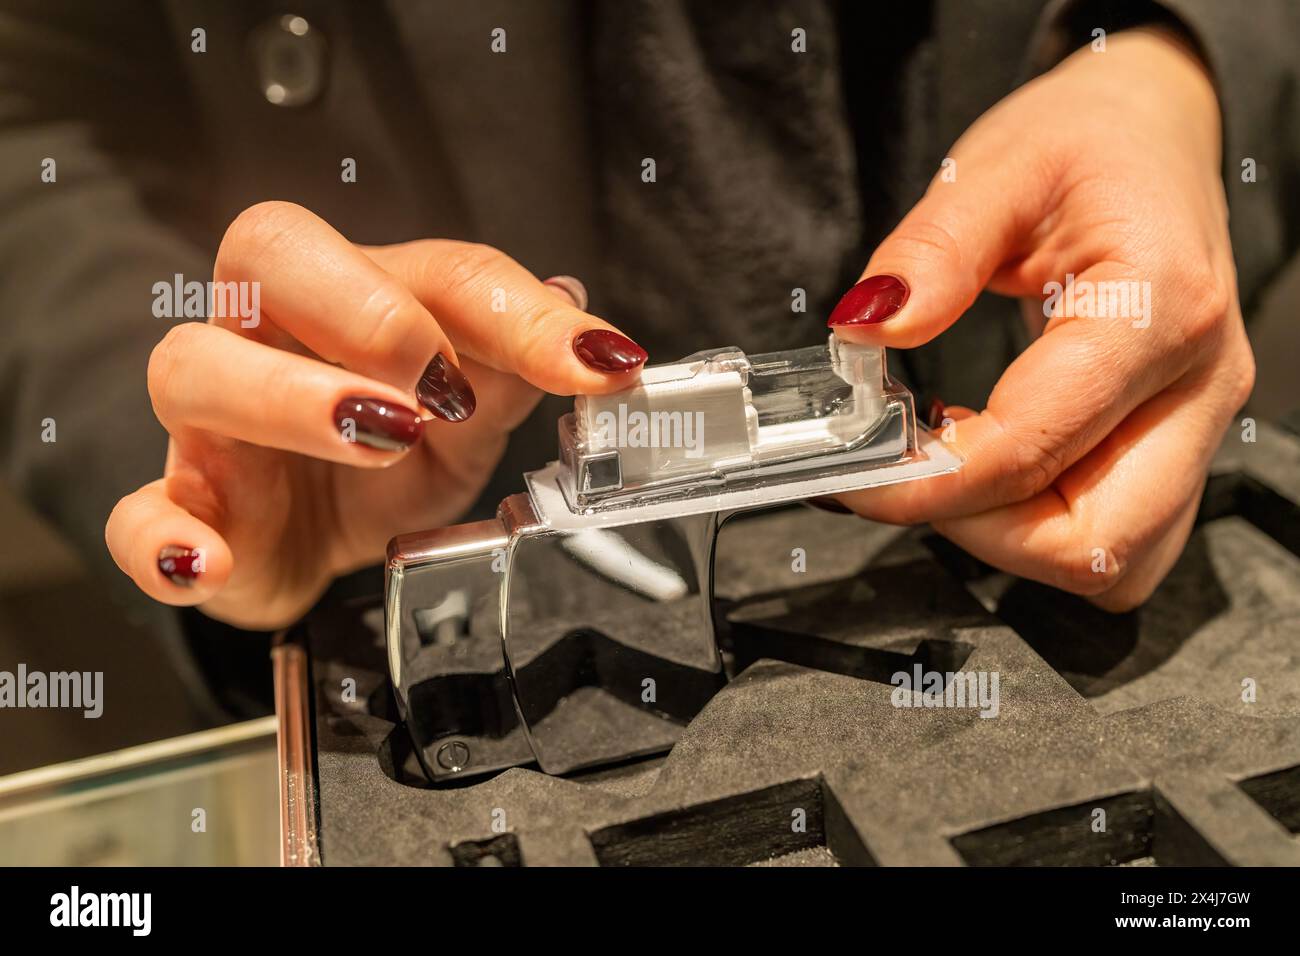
[1086, 468]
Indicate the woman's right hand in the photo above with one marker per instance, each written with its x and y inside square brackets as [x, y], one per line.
[374, 396]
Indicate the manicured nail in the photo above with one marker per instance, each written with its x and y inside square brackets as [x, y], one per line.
[377, 422]
[444, 390]
[607, 351]
[934, 413]
[826, 503]
[179, 564]
[572, 287]
[872, 300]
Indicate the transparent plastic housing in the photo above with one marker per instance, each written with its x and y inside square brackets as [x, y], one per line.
[531, 638]
[724, 419]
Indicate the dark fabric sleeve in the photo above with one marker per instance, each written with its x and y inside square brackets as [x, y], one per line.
[1251, 51]
[92, 87]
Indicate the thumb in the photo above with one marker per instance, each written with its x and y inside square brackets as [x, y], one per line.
[935, 263]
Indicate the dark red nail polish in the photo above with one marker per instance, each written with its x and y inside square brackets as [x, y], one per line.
[934, 413]
[825, 503]
[377, 422]
[181, 565]
[872, 300]
[444, 390]
[607, 351]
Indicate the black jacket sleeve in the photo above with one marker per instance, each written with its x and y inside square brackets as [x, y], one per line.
[1250, 50]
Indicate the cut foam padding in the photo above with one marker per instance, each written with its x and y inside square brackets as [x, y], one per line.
[1166, 736]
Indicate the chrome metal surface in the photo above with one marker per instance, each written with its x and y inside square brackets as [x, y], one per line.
[576, 628]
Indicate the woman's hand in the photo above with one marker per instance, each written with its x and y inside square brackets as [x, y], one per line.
[1086, 467]
[298, 447]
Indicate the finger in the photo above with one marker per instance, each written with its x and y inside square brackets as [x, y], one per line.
[1054, 403]
[1114, 524]
[507, 399]
[931, 268]
[940, 417]
[466, 458]
[496, 311]
[170, 554]
[569, 289]
[207, 378]
[329, 295]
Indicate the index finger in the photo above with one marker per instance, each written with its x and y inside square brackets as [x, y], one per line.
[500, 314]
[1053, 405]
[319, 288]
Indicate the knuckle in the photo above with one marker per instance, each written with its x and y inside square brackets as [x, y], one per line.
[1086, 571]
[115, 518]
[387, 317]
[165, 362]
[1242, 382]
[923, 238]
[542, 331]
[259, 228]
[901, 515]
[1208, 297]
[466, 270]
[1126, 595]
[908, 510]
[1034, 465]
[933, 244]
[116, 532]
[279, 385]
[909, 516]
[896, 505]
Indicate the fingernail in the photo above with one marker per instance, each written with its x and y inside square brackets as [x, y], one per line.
[444, 390]
[570, 286]
[872, 300]
[179, 564]
[934, 413]
[825, 503]
[377, 422]
[607, 351]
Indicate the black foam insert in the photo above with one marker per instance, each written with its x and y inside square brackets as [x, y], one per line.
[803, 758]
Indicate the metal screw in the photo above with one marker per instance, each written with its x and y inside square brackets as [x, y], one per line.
[453, 756]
